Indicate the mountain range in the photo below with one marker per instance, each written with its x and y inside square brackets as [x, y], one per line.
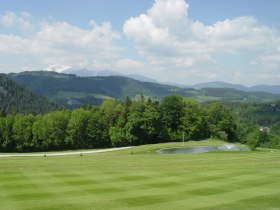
[72, 91]
[275, 89]
[93, 73]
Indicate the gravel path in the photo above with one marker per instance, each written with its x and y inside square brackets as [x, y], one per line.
[61, 153]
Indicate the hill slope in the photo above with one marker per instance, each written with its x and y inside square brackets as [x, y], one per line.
[16, 99]
[72, 91]
[275, 89]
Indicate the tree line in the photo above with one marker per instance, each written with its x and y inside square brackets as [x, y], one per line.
[115, 124]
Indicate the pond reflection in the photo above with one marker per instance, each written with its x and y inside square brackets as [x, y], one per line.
[201, 149]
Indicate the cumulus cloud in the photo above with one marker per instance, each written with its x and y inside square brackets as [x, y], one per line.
[242, 33]
[152, 31]
[60, 42]
[61, 36]
[10, 19]
[165, 35]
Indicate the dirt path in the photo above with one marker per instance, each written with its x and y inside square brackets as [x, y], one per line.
[60, 153]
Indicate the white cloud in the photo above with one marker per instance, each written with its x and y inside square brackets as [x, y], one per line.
[61, 36]
[60, 42]
[168, 39]
[168, 12]
[145, 34]
[10, 19]
[11, 44]
[230, 36]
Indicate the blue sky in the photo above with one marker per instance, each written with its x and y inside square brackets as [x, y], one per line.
[179, 41]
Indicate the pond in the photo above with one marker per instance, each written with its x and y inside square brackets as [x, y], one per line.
[201, 149]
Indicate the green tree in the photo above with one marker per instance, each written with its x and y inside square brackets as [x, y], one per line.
[2, 128]
[38, 132]
[264, 137]
[98, 130]
[22, 132]
[118, 135]
[110, 111]
[221, 121]
[77, 136]
[252, 139]
[134, 132]
[117, 131]
[101, 121]
[144, 124]
[54, 130]
[172, 111]
[193, 124]
[152, 124]
[8, 143]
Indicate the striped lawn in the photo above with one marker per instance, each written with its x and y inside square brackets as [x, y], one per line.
[139, 178]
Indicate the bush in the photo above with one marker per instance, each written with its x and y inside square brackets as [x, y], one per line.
[222, 135]
[252, 139]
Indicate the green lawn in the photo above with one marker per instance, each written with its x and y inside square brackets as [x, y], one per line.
[143, 179]
[69, 94]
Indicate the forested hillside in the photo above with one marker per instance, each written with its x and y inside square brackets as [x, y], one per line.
[71, 91]
[143, 121]
[17, 99]
[265, 115]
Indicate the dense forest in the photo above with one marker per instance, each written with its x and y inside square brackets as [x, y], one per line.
[131, 122]
[71, 91]
[17, 99]
[265, 115]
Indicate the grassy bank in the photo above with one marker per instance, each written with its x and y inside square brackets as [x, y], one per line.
[139, 178]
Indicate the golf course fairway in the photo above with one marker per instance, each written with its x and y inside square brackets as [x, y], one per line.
[140, 178]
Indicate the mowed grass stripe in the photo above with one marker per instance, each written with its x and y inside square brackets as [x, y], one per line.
[222, 193]
[144, 180]
[205, 190]
[135, 180]
[204, 194]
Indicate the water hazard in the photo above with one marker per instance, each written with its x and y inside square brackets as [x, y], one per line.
[201, 149]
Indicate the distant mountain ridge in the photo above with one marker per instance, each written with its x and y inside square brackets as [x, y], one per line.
[73, 91]
[275, 89]
[220, 84]
[93, 73]
[59, 68]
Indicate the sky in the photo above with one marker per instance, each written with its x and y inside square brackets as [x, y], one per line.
[178, 41]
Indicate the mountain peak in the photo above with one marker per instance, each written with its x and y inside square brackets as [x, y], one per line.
[58, 68]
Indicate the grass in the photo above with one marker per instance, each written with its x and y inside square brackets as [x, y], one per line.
[144, 180]
[202, 98]
[69, 94]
